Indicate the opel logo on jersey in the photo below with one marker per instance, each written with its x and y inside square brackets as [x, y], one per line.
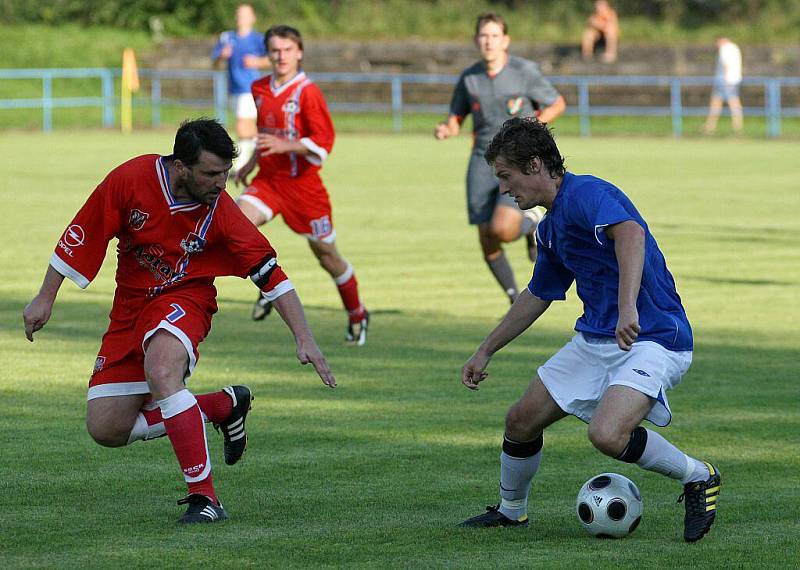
[193, 243]
[137, 219]
[290, 106]
[74, 236]
[513, 106]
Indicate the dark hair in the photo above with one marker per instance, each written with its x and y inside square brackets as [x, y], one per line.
[202, 134]
[522, 139]
[283, 31]
[487, 17]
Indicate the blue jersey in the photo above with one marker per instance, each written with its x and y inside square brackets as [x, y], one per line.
[240, 77]
[573, 247]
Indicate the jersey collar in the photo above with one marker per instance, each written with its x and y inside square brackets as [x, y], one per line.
[277, 90]
[163, 179]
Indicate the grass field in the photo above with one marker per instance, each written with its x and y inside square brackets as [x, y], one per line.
[378, 472]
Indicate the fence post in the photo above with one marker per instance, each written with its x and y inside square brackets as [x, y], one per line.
[220, 96]
[676, 109]
[47, 102]
[397, 103]
[155, 101]
[107, 79]
[772, 90]
[583, 107]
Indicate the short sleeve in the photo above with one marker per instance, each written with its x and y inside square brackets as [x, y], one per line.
[81, 249]
[460, 104]
[550, 280]
[594, 209]
[540, 90]
[317, 126]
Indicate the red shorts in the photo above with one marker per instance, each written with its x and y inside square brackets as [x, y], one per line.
[303, 202]
[119, 368]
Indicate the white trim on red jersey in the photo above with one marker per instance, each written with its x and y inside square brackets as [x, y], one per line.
[278, 89]
[283, 287]
[320, 154]
[64, 269]
[163, 180]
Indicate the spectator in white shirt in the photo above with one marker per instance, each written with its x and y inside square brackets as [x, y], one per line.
[727, 80]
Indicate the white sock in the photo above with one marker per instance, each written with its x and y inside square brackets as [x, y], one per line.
[142, 431]
[246, 149]
[663, 457]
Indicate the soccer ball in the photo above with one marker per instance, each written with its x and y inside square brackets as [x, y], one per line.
[609, 506]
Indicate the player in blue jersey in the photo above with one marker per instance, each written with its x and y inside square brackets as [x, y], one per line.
[633, 340]
[245, 55]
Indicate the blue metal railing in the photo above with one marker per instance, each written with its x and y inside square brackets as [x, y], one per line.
[772, 108]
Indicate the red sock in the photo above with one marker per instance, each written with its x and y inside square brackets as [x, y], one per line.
[153, 416]
[348, 290]
[187, 433]
[217, 406]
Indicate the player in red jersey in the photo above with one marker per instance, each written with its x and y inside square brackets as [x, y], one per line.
[177, 231]
[295, 137]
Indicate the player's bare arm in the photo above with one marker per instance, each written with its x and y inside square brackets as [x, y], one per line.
[522, 314]
[291, 311]
[629, 248]
[37, 312]
[272, 144]
[552, 112]
[447, 129]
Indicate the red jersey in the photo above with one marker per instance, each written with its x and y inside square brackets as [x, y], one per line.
[297, 111]
[164, 245]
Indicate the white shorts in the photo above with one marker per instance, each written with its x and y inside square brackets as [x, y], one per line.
[244, 106]
[579, 374]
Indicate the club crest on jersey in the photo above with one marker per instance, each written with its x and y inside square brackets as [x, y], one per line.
[98, 364]
[193, 243]
[137, 219]
[290, 106]
[514, 106]
[258, 100]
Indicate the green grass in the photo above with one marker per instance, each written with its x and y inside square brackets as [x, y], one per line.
[377, 472]
[383, 123]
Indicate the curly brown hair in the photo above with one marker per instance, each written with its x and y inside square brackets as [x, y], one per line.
[522, 139]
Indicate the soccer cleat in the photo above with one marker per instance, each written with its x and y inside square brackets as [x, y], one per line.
[233, 432]
[492, 518]
[530, 237]
[701, 504]
[201, 510]
[261, 308]
[357, 332]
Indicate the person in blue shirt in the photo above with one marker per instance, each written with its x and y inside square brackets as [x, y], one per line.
[245, 55]
[633, 340]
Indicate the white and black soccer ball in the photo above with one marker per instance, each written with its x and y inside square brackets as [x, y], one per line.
[609, 506]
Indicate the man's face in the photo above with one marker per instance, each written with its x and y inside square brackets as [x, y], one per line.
[205, 180]
[524, 188]
[492, 42]
[245, 17]
[285, 56]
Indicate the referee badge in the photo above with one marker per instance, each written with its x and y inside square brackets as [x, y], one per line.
[514, 106]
